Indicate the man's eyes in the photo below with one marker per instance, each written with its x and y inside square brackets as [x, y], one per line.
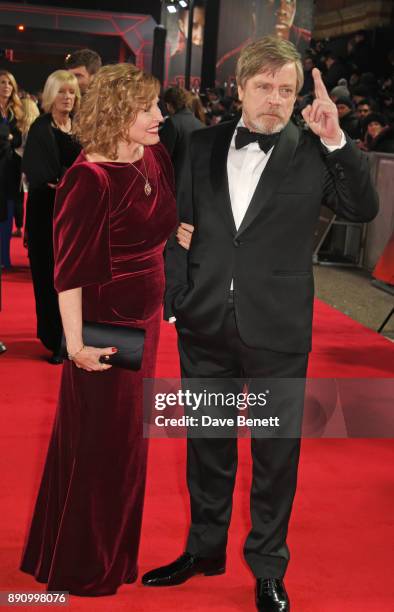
[283, 90]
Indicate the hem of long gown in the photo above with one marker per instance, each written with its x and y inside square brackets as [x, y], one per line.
[43, 580]
[31, 572]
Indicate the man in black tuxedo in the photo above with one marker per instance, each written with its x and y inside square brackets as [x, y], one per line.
[243, 295]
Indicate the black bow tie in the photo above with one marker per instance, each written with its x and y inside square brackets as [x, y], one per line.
[245, 137]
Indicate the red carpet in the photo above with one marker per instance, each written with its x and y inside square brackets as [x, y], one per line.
[342, 528]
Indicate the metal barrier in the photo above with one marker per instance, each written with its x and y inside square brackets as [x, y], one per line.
[342, 242]
[381, 228]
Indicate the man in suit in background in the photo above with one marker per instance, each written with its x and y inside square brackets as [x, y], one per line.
[176, 131]
[84, 64]
[175, 135]
[243, 295]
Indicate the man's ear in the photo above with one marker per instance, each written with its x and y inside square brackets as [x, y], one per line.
[240, 92]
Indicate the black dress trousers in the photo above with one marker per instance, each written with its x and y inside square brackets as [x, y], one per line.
[212, 462]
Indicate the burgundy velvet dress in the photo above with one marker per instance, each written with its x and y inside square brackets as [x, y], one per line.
[109, 239]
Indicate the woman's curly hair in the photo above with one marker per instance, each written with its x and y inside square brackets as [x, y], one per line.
[115, 95]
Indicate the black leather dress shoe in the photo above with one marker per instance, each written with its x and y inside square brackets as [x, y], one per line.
[182, 569]
[271, 595]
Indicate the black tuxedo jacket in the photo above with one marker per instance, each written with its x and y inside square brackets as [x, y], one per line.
[270, 256]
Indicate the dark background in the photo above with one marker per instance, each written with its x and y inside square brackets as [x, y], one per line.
[38, 53]
[144, 7]
[37, 56]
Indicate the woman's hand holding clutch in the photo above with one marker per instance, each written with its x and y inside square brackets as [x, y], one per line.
[92, 359]
[87, 358]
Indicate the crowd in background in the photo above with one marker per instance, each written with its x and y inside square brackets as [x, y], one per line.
[363, 93]
[365, 104]
[364, 100]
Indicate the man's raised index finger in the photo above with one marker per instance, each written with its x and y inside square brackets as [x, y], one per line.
[320, 88]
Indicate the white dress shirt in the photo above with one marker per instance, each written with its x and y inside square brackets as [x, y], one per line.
[244, 168]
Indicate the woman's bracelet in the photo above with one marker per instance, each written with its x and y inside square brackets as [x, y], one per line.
[72, 356]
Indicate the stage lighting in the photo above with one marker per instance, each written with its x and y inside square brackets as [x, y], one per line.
[21, 27]
[171, 8]
[183, 3]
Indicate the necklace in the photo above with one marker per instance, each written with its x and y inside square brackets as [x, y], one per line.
[4, 111]
[148, 186]
[67, 130]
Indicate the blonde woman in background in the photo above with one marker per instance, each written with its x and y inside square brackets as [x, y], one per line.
[11, 114]
[50, 149]
[30, 114]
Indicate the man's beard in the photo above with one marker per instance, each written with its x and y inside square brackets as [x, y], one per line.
[264, 126]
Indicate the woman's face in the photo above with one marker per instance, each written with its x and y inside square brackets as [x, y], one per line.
[374, 128]
[6, 87]
[65, 99]
[145, 129]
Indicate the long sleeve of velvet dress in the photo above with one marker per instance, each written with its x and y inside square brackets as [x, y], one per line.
[108, 239]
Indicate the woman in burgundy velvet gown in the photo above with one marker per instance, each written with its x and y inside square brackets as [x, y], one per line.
[114, 211]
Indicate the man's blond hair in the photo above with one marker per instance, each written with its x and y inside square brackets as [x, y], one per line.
[268, 54]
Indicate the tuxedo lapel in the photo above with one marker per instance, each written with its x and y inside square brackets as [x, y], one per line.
[273, 173]
[218, 170]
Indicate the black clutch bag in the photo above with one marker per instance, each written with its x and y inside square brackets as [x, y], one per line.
[128, 340]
